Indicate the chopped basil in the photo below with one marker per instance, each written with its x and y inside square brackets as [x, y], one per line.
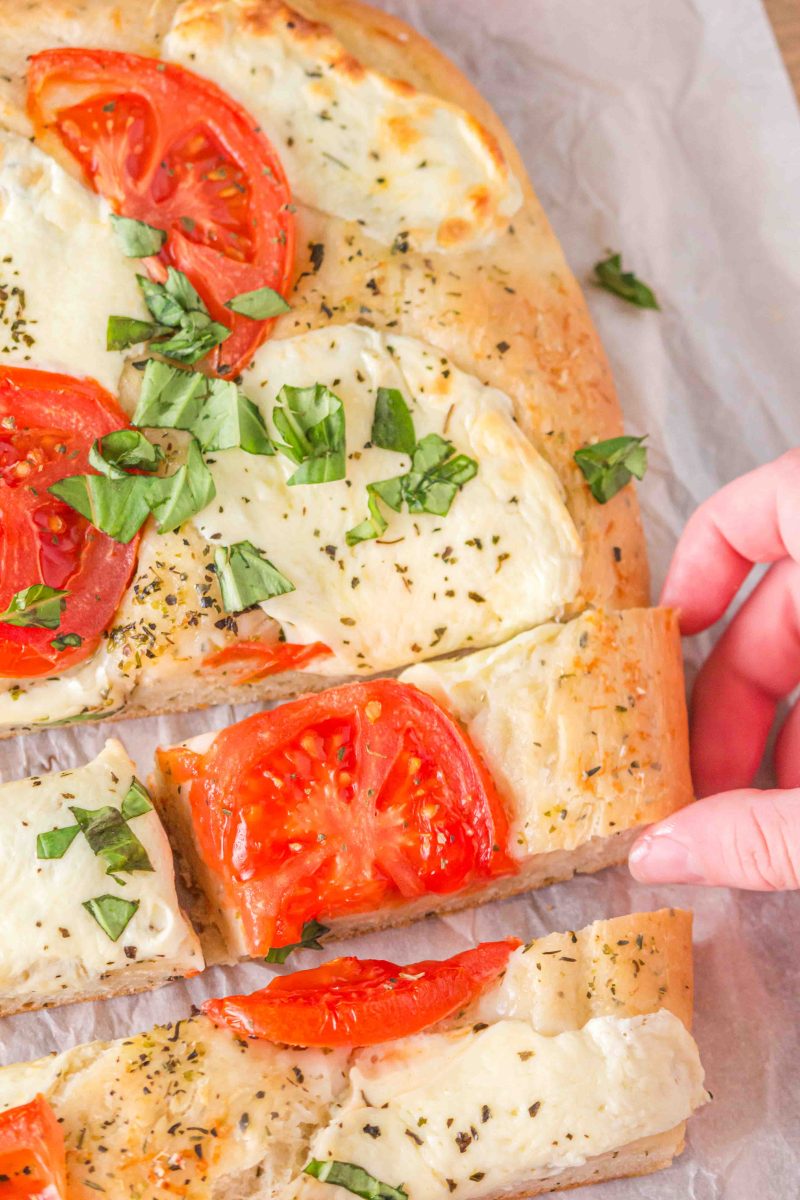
[218, 414]
[66, 639]
[136, 802]
[608, 466]
[259, 304]
[392, 425]
[309, 940]
[436, 475]
[112, 913]
[246, 577]
[355, 1179]
[178, 310]
[177, 497]
[137, 238]
[56, 842]
[37, 606]
[311, 420]
[610, 275]
[110, 837]
[122, 451]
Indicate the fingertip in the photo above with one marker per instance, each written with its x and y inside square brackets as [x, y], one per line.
[658, 856]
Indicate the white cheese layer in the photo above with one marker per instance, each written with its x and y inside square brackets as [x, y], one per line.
[506, 556]
[184, 1108]
[353, 142]
[62, 273]
[474, 1113]
[53, 949]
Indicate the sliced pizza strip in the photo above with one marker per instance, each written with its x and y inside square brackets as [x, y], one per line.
[377, 802]
[560, 1082]
[87, 874]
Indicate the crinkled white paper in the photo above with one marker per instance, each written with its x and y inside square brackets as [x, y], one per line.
[667, 131]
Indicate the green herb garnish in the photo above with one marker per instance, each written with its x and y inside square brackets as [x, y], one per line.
[122, 451]
[136, 802]
[37, 606]
[355, 1179]
[177, 310]
[177, 497]
[112, 913]
[392, 424]
[56, 842]
[65, 640]
[311, 421]
[608, 466]
[136, 238]
[259, 304]
[246, 577]
[309, 940]
[110, 837]
[610, 275]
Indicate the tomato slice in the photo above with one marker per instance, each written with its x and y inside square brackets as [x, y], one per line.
[167, 147]
[361, 1002]
[342, 802]
[32, 1157]
[267, 659]
[47, 425]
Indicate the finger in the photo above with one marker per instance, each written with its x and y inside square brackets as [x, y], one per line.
[787, 751]
[755, 663]
[743, 839]
[754, 519]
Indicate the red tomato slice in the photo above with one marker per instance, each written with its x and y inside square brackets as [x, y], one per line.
[167, 147]
[267, 659]
[361, 1002]
[32, 1158]
[47, 425]
[342, 802]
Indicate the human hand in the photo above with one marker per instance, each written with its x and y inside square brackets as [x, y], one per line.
[738, 836]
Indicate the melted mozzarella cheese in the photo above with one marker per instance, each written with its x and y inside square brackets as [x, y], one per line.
[353, 142]
[505, 557]
[485, 1111]
[62, 272]
[181, 1107]
[53, 948]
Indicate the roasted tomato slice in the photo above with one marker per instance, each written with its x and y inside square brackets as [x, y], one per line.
[342, 802]
[32, 1158]
[360, 1002]
[167, 147]
[261, 658]
[47, 425]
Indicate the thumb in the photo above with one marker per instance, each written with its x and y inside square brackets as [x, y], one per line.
[744, 839]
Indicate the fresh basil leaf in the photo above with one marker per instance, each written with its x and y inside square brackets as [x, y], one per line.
[122, 332]
[137, 238]
[177, 497]
[197, 336]
[259, 304]
[118, 507]
[608, 466]
[392, 425]
[437, 473]
[122, 451]
[169, 302]
[111, 838]
[218, 414]
[136, 802]
[610, 275]
[309, 940]
[355, 1179]
[36, 607]
[311, 420]
[56, 842]
[374, 525]
[246, 577]
[64, 640]
[112, 913]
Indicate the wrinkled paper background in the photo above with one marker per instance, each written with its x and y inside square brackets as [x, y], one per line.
[668, 131]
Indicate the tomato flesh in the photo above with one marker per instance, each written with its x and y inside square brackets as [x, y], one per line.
[168, 147]
[32, 1156]
[262, 659]
[47, 425]
[361, 1002]
[360, 797]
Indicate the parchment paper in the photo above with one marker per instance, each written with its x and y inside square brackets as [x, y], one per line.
[668, 131]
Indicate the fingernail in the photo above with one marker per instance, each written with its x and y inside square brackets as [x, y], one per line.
[660, 858]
